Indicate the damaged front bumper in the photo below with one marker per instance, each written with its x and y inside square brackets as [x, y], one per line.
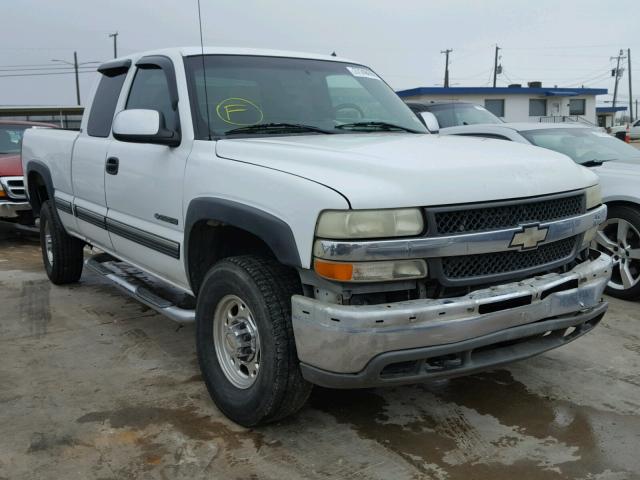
[344, 346]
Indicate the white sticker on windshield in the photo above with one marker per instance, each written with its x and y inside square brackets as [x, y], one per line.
[601, 134]
[362, 72]
[478, 107]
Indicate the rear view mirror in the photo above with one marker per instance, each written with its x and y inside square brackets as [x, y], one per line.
[143, 126]
[430, 121]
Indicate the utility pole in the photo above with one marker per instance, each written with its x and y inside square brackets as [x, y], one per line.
[115, 43]
[617, 75]
[446, 66]
[75, 67]
[630, 90]
[495, 67]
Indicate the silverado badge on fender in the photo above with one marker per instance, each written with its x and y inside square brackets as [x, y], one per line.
[529, 238]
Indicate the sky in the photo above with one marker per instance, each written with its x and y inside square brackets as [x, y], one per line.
[564, 43]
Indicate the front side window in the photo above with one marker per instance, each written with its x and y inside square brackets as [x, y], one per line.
[537, 107]
[104, 103]
[495, 106]
[577, 106]
[246, 93]
[582, 144]
[11, 138]
[150, 91]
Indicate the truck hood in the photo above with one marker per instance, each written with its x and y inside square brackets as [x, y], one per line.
[398, 170]
[10, 165]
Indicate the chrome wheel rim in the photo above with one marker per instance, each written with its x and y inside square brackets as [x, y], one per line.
[621, 240]
[236, 341]
[48, 243]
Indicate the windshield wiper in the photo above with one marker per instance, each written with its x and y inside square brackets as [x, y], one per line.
[277, 128]
[377, 125]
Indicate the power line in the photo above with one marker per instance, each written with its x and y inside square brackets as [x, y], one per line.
[46, 74]
[36, 69]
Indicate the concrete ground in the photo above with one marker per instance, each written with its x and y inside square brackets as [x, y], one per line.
[94, 385]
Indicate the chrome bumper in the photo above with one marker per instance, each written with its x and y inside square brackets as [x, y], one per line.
[11, 209]
[344, 339]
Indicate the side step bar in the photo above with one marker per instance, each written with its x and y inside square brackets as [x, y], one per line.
[144, 295]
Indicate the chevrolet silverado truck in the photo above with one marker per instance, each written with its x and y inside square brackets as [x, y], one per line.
[298, 211]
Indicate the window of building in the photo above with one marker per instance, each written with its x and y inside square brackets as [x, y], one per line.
[537, 107]
[577, 106]
[495, 106]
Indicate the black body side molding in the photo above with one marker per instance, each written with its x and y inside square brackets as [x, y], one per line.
[272, 230]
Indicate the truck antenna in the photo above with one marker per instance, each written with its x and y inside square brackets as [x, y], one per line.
[204, 73]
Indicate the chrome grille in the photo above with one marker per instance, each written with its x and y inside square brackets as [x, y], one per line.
[14, 186]
[474, 266]
[494, 217]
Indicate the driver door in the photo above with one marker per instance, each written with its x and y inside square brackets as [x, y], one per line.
[144, 193]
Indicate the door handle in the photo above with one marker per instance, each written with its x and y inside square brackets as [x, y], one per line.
[112, 165]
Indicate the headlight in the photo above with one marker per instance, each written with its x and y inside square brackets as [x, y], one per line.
[343, 224]
[594, 197]
[2, 192]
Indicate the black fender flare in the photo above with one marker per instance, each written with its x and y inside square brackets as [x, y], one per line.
[42, 170]
[272, 230]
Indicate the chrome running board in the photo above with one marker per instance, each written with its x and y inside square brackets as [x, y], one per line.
[102, 265]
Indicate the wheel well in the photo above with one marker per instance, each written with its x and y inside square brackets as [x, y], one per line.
[38, 193]
[211, 241]
[622, 203]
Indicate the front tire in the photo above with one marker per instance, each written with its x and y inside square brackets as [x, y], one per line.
[619, 237]
[62, 254]
[245, 342]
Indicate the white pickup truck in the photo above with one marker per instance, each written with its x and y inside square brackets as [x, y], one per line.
[634, 130]
[299, 212]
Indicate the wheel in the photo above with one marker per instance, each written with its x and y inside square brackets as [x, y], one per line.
[245, 342]
[619, 237]
[62, 254]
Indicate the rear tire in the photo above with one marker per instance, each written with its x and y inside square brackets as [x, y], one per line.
[251, 370]
[62, 254]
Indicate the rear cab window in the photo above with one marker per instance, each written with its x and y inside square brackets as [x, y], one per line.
[106, 97]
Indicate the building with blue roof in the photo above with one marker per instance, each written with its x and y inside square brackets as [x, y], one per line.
[515, 103]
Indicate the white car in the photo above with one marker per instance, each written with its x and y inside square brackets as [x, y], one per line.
[634, 130]
[618, 167]
[322, 235]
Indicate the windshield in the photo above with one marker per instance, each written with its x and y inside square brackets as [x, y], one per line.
[11, 138]
[453, 115]
[583, 145]
[291, 95]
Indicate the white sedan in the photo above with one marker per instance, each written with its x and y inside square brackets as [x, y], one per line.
[618, 166]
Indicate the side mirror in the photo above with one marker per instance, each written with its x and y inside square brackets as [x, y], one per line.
[430, 121]
[143, 126]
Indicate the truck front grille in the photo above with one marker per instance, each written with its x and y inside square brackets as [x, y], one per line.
[14, 186]
[506, 215]
[468, 267]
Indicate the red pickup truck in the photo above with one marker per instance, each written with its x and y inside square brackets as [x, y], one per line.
[14, 207]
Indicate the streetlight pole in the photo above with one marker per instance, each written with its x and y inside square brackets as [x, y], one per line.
[115, 43]
[76, 66]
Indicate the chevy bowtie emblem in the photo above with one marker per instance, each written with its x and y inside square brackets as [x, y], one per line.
[530, 237]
